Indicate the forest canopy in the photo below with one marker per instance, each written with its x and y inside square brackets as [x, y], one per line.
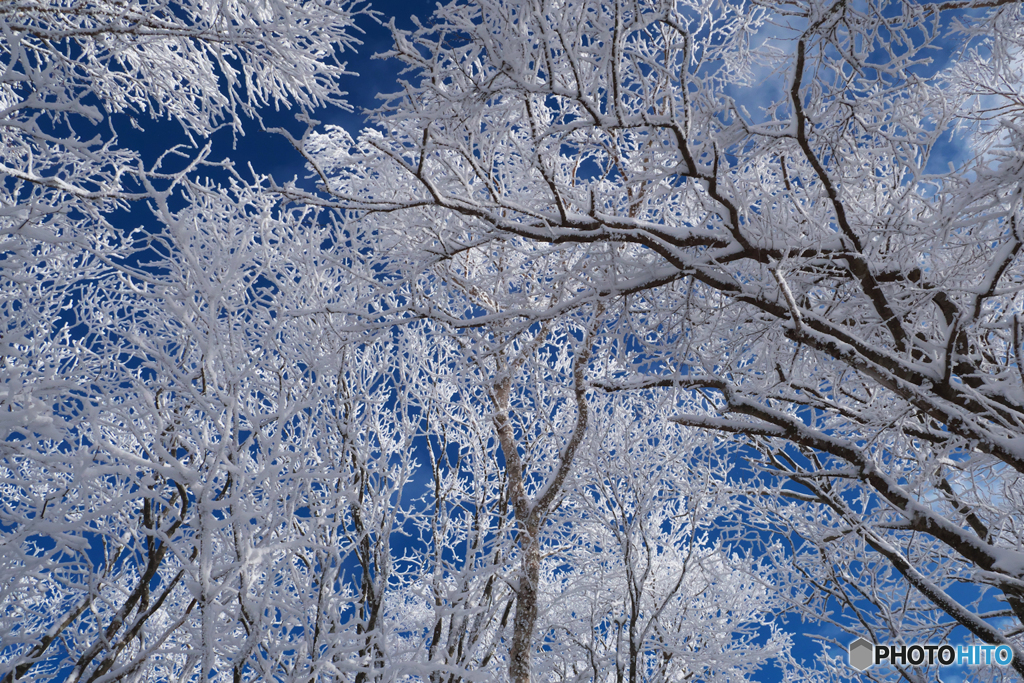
[626, 340]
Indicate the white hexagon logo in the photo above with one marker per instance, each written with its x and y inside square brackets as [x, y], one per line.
[862, 654]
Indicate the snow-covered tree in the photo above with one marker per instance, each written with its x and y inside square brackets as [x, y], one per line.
[625, 302]
[643, 586]
[72, 77]
[806, 213]
[139, 368]
[508, 415]
[212, 467]
[627, 574]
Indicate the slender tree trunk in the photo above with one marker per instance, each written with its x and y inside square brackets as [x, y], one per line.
[531, 513]
[526, 608]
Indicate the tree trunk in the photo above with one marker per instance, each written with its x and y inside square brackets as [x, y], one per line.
[526, 608]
